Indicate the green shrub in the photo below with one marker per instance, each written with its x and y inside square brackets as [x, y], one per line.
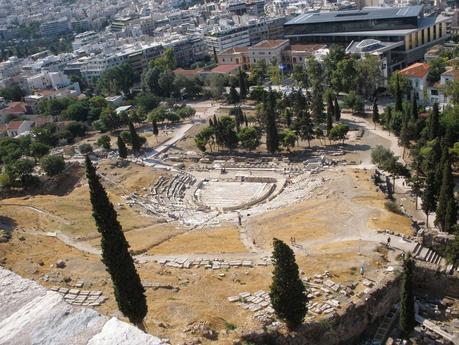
[85, 148]
[52, 165]
[392, 206]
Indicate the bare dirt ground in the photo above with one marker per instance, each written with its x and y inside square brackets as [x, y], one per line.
[335, 229]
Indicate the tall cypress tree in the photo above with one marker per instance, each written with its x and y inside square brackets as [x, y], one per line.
[330, 111]
[242, 84]
[414, 108]
[287, 290]
[122, 149]
[337, 109]
[446, 196]
[154, 125]
[128, 289]
[434, 122]
[429, 201]
[388, 118]
[317, 104]
[398, 94]
[272, 135]
[135, 140]
[451, 215]
[407, 311]
[375, 112]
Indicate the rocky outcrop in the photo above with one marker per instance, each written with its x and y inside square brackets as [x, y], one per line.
[31, 314]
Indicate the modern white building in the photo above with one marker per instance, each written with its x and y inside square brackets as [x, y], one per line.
[219, 40]
[48, 80]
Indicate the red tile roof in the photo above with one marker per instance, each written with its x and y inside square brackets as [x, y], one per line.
[14, 124]
[270, 43]
[416, 70]
[190, 73]
[15, 108]
[225, 68]
[307, 48]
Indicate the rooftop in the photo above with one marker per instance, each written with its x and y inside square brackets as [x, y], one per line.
[267, 44]
[306, 48]
[416, 70]
[353, 15]
[452, 72]
[225, 68]
[235, 50]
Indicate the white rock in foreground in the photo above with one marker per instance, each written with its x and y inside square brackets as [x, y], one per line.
[30, 314]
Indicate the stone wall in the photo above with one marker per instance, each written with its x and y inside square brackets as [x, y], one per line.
[345, 327]
[427, 279]
[350, 325]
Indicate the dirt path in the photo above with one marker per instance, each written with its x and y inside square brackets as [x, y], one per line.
[39, 210]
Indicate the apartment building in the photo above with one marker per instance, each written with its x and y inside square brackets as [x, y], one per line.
[222, 39]
[55, 27]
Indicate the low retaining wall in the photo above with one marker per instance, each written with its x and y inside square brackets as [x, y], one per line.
[253, 202]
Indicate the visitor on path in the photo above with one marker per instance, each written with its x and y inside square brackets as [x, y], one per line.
[388, 242]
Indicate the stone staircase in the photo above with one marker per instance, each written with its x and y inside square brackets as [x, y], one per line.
[386, 325]
[428, 255]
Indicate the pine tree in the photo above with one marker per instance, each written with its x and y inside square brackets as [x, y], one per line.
[155, 129]
[446, 196]
[407, 310]
[398, 94]
[375, 112]
[287, 290]
[122, 149]
[135, 140]
[337, 109]
[330, 112]
[128, 289]
[434, 122]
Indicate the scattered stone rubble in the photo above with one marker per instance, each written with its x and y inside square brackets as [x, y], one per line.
[336, 296]
[258, 302]
[214, 264]
[79, 297]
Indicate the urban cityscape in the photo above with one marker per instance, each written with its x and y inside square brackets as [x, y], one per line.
[235, 172]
